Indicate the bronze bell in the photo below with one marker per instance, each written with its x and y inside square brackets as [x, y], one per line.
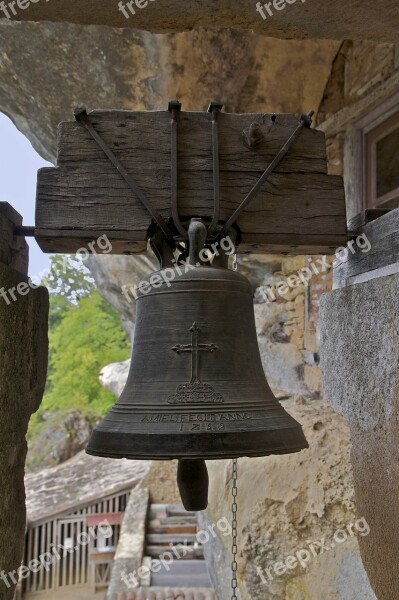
[196, 388]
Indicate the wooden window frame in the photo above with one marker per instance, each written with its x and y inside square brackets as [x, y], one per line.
[371, 139]
[355, 154]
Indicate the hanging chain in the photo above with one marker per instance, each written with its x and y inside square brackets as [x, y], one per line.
[234, 549]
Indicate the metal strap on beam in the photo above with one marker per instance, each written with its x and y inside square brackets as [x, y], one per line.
[82, 117]
[305, 121]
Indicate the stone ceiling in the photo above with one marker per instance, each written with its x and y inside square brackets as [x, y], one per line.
[288, 19]
[47, 69]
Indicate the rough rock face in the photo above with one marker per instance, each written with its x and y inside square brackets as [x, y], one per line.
[116, 278]
[292, 19]
[101, 67]
[286, 506]
[162, 483]
[360, 357]
[59, 440]
[113, 377]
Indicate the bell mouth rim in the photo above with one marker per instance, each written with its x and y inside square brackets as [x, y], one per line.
[206, 446]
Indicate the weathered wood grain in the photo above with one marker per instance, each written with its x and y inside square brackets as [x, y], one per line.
[142, 141]
[383, 257]
[86, 194]
[368, 215]
[13, 248]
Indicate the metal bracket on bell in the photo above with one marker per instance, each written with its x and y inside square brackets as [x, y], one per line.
[162, 249]
[197, 233]
[221, 258]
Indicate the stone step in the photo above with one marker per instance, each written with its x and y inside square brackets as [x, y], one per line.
[189, 573]
[178, 510]
[189, 580]
[171, 529]
[157, 551]
[186, 578]
[178, 520]
[168, 538]
[156, 593]
[182, 567]
[170, 510]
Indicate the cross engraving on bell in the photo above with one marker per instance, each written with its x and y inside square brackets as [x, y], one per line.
[195, 390]
[195, 348]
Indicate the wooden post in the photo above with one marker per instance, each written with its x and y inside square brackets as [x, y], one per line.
[23, 364]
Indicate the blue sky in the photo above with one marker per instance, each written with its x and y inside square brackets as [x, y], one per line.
[19, 163]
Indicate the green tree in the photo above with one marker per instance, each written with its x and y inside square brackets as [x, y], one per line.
[68, 281]
[85, 334]
[88, 337]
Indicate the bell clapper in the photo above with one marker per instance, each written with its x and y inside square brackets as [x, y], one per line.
[193, 483]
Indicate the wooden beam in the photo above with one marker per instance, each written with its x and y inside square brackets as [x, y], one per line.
[299, 210]
[13, 248]
[383, 257]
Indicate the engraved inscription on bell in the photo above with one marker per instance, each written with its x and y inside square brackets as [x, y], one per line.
[195, 391]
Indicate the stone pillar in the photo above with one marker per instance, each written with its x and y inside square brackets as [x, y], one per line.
[130, 550]
[23, 365]
[360, 365]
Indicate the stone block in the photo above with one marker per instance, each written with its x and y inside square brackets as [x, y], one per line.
[359, 359]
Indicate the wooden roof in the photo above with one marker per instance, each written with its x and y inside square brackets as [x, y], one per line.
[81, 481]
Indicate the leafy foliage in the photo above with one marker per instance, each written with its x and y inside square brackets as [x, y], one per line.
[88, 337]
[68, 281]
[85, 335]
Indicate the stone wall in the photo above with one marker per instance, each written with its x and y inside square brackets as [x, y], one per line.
[359, 325]
[131, 545]
[286, 504]
[364, 77]
[360, 368]
[358, 69]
